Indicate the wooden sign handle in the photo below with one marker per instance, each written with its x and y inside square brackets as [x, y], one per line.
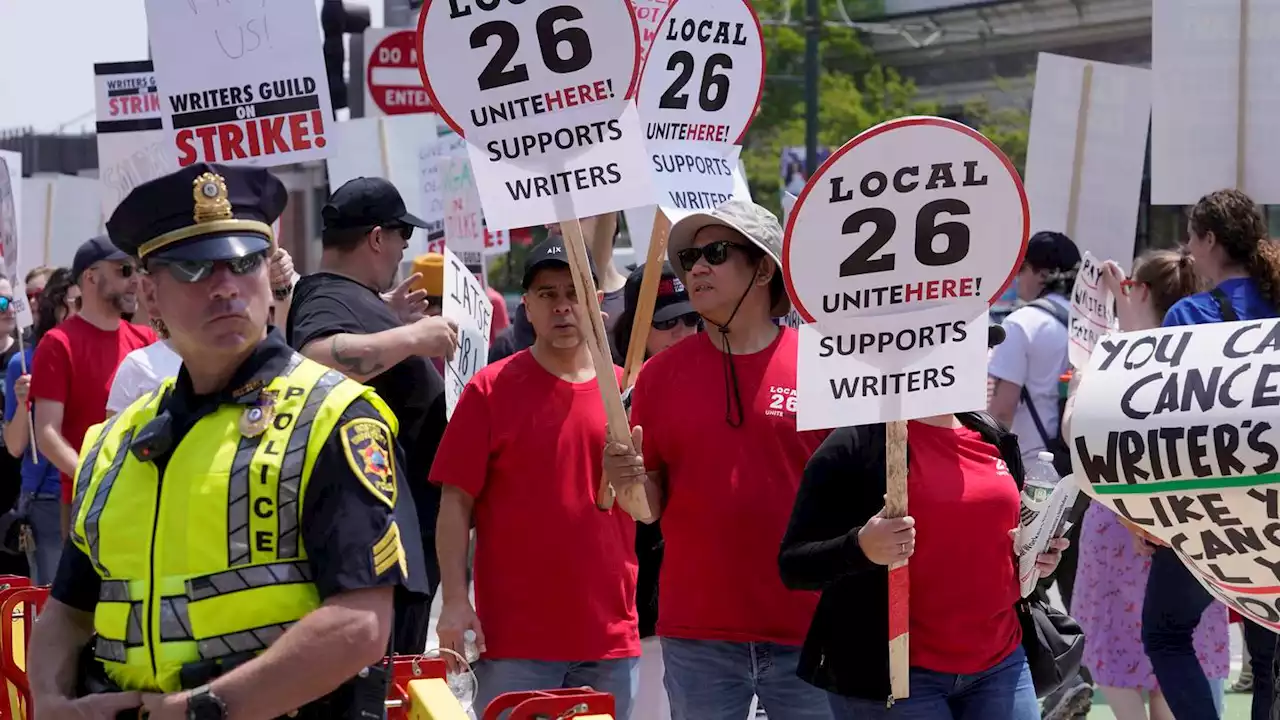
[643, 320]
[1242, 96]
[634, 501]
[895, 505]
[1077, 161]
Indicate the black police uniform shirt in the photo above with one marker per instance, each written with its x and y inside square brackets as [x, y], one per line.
[342, 519]
[327, 304]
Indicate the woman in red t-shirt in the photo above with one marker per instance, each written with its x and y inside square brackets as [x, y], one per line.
[966, 650]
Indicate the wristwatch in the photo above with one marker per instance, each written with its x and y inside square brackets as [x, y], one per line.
[202, 704]
[282, 292]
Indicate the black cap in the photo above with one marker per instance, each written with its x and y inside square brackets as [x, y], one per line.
[550, 252]
[364, 203]
[94, 251]
[1053, 251]
[672, 301]
[201, 212]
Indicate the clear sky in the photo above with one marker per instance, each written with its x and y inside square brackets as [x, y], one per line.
[47, 52]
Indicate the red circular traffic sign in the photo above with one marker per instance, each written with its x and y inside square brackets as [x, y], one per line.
[392, 76]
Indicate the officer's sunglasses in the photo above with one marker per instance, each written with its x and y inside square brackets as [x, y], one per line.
[193, 271]
[690, 320]
[715, 253]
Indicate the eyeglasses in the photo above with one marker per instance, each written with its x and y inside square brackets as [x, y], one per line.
[33, 299]
[193, 271]
[6, 302]
[406, 231]
[1127, 286]
[715, 253]
[690, 320]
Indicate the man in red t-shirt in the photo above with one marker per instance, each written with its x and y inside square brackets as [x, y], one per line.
[75, 362]
[555, 578]
[715, 416]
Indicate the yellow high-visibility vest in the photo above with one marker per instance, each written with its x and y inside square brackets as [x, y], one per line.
[208, 561]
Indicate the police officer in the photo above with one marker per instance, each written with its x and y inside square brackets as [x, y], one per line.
[236, 534]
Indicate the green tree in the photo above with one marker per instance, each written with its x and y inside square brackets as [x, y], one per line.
[855, 93]
[1008, 127]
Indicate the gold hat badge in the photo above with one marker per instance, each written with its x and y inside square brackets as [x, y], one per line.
[212, 214]
[210, 192]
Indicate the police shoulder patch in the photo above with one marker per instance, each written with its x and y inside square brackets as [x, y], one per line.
[367, 444]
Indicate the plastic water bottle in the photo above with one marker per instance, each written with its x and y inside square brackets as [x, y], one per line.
[470, 651]
[1034, 531]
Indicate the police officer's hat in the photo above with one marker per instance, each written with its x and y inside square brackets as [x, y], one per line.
[201, 212]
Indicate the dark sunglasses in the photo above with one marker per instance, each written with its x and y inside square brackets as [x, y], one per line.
[715, 253]
[690, 320]
[406, 231]
[193, 271]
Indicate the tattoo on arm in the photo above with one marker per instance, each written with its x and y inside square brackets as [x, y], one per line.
[351, 360]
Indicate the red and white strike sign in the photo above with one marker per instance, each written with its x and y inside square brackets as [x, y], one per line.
[392, 80]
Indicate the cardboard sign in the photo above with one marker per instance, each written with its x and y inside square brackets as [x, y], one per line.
[1086, 152]
[466, 303]
[430, 154]
[242, 83]
[1215, 94]
[705, 76]
[132, 147]
[911, 213]
[1093, 311]
[648, 14]
[873, 369]
[543, 97]
[10, 180]
[463, 219]
[393, 85]
[1174, 429]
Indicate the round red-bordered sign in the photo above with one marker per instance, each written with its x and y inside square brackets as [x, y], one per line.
[387, 76]
[705, 69]
[909, 213]
[504, 70]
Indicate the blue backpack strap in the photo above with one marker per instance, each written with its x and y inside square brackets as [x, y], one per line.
[1058, 312]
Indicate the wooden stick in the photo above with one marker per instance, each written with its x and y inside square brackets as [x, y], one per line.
[1242, 96]
[31, 420]
[634, 501]
[643, 320]
[1077, 163]
[383, 149]
[895, 505]
[48, 219]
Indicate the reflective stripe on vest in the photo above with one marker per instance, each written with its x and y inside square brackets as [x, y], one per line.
[206, 562]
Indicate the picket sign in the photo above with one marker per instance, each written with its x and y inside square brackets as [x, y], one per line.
[551, 129]
[132, 147]
[695, 128]
[10, 186]
[1174, 430]
[466, 303]
[241, 83]
[1093, 311]
[897, 328]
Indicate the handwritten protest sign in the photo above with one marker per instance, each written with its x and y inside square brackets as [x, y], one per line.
[466, 303]
[132, 147]
[10, 180]
[242, 83]
[933, 215]
[543, 96]
[463, 219]
[430, 155]
[1174, 429]
[1093, 311]
[648, 14]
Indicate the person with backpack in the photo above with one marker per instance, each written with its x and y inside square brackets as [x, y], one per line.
[1026, 373]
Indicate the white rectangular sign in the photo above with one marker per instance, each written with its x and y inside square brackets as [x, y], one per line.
[1110, 122]
[10, 231]
[1175, 430]
[1198, 96]
[527, 180]
[463, 219]
[466, 303]
[431, 153]
[242, 82]
[860, 370]
[132, 147]
[1093, 311]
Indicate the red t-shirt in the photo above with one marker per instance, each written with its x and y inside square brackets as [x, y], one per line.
[555, 578]
[729, 490]
[74, 364]
[963, 580]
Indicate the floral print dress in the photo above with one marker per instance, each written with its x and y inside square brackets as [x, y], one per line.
[1111, 579]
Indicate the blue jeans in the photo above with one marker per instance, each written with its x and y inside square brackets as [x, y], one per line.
[715, 680]
[44, 512]
[620, 678]
[1005, 692]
